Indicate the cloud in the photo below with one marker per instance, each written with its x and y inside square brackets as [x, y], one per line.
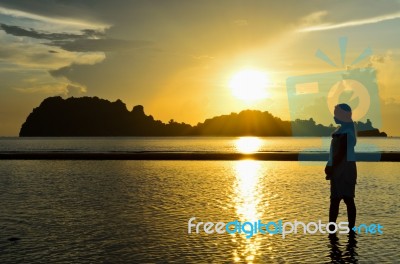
[61, 72]
[28, 57]
[41, 82]
[65, 88]
[313, 18]
[380, 59]
[75, 89]
[88, 40]
[36, 61]
[85, 48]
[351, 23]
[21, 32]
[84, 45]
[47, 19]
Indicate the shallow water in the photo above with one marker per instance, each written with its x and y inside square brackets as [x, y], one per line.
[138, 211]
[192, 144]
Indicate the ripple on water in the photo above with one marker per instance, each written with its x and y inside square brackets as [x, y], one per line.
[135, 211]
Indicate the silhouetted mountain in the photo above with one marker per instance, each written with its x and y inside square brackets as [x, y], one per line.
[245, 123]
[92, 116]
[88, 116]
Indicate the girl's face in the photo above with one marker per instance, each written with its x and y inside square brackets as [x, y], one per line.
[335, 117]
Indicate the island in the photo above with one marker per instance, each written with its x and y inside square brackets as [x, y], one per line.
[95, 117]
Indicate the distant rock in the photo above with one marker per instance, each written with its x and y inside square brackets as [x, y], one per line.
[92, 116]
[371, 133]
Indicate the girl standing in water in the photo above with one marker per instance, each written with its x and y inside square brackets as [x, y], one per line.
[341, 169]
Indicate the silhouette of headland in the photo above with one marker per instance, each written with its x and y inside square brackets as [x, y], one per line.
[92, 116]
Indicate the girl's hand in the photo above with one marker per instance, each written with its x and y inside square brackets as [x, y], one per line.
[328, 172]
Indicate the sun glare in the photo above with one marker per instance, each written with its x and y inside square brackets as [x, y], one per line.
[249, 85]
[248, 145]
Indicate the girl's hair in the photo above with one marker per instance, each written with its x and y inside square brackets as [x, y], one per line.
[349, 125]
[344, 107]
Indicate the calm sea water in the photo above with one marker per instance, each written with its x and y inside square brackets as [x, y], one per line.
[138, 211]
[213, 144]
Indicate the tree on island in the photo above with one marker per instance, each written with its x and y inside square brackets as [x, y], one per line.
[92, 116]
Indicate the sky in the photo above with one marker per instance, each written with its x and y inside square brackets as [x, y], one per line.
[178, 58]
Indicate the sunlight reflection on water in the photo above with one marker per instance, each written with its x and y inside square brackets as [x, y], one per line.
[247, 200]
[248, 145]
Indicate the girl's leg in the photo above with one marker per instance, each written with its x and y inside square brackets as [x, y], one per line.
[351, 211]
[334, 209]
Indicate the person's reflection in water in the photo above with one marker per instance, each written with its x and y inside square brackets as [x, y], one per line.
[349, 255]
[341, 168]
[351, 248]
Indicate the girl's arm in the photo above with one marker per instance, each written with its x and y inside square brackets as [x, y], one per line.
[340, 151]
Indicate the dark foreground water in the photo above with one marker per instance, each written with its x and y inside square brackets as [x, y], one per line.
[138, 211]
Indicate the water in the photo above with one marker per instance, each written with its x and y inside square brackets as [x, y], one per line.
[138, 211]
[208, 144]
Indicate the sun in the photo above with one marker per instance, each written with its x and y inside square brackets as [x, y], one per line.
[250, 85]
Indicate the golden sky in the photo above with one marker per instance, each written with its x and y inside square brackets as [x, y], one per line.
[178, 58]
